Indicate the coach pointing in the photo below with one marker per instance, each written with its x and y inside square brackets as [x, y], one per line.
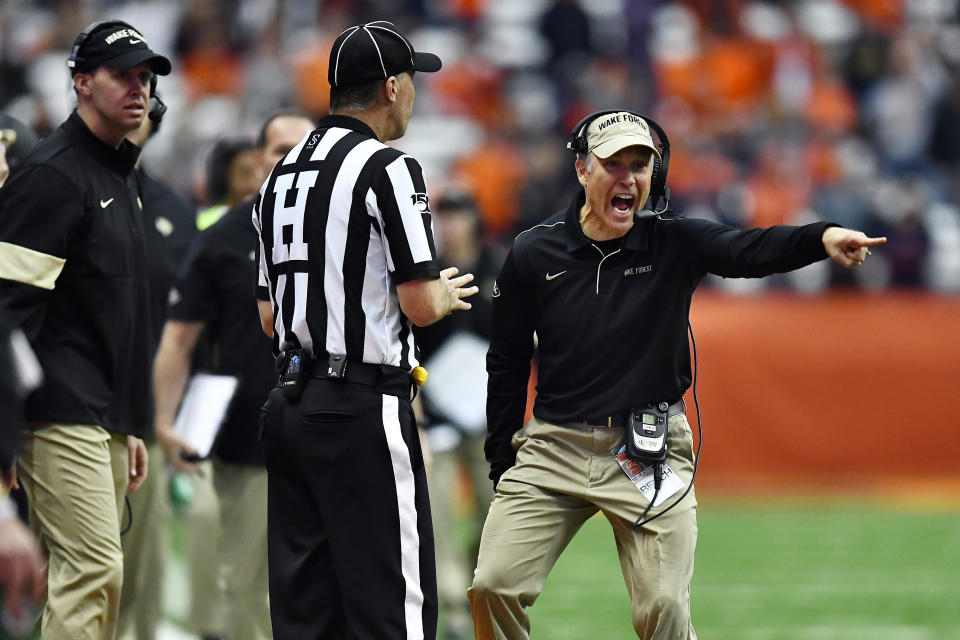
[347, 264]
[632, 277]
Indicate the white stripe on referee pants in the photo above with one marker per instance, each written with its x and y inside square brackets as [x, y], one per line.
[406, 505]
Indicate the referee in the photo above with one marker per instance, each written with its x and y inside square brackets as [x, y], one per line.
[347, 263]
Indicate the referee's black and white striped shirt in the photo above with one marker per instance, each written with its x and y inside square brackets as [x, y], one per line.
[342, 220]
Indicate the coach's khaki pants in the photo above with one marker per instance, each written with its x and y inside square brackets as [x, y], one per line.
[76, 477]
[144, 554]
[563, 475]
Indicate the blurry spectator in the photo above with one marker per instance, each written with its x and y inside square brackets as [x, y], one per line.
[865, 61]
[309, 69]
[902, 205]
[231, 178]
[473, 87]
[16, 138]
[494, 174]
[898, 112]
[546, 188]
[945, 133]
[210, 48]
[566, 28]
[779, 188]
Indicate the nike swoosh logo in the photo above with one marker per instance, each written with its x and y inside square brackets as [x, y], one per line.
[551, 276]
[135, 41]
[104, 203]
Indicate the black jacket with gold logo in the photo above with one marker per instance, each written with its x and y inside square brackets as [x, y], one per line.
[73, 275]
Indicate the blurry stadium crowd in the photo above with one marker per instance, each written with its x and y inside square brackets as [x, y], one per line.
[777, 111]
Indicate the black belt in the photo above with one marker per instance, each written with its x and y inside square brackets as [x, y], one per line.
[386, 378]
[620, 419]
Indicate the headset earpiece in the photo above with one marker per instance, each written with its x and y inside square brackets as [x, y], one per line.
[75, 57]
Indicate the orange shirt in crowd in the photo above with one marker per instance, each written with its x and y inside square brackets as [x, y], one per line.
[494, 174]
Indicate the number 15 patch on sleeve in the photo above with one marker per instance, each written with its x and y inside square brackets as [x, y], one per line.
[642, 476]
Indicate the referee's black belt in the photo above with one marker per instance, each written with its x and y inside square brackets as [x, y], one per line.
[385, 378]
[620, 419]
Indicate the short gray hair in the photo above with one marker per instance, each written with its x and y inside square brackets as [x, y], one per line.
[356, 97]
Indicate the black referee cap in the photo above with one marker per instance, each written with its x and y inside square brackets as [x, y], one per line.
[115, 44]
[374, 51]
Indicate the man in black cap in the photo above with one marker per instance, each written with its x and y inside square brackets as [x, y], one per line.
[347, 266]
[73, 274]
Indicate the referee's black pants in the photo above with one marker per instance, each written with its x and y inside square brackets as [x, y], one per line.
[350, 539]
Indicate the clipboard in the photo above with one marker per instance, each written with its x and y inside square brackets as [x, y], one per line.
[203, 410]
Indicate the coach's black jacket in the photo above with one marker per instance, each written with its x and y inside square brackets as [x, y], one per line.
[73, 273]
[611, 330]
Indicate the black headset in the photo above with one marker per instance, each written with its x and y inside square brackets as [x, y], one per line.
[157, 107]
[658, 178]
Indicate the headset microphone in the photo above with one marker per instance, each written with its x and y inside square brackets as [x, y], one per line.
[157, 106]
[157, 110]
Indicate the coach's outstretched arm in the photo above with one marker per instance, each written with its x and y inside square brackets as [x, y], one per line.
[426, 301]
[848, 247]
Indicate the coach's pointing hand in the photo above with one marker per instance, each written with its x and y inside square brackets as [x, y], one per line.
[848, 247]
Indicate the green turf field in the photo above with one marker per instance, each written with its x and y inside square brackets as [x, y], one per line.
[786, 569]
[780, 571]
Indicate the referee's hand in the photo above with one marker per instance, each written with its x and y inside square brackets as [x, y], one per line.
[455, 287]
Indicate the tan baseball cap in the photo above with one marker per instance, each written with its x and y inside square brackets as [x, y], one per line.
[615, 131]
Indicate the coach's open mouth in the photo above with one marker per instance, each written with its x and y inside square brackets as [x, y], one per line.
[622, 203]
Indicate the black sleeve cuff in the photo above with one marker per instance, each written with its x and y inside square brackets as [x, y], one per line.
[417, 272]
[500, 467]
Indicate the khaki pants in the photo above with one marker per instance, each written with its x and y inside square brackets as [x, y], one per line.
[563, 475]
[455, 560]
[226, 544]
[242, 492]
[201, 529]
[145, 547]
[76, 477]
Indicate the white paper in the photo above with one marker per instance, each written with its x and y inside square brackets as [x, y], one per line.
[457, 382]
[203, 409]
[642, 476]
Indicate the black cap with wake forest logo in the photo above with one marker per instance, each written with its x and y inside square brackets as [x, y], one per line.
[374, 51]
[113, 44]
